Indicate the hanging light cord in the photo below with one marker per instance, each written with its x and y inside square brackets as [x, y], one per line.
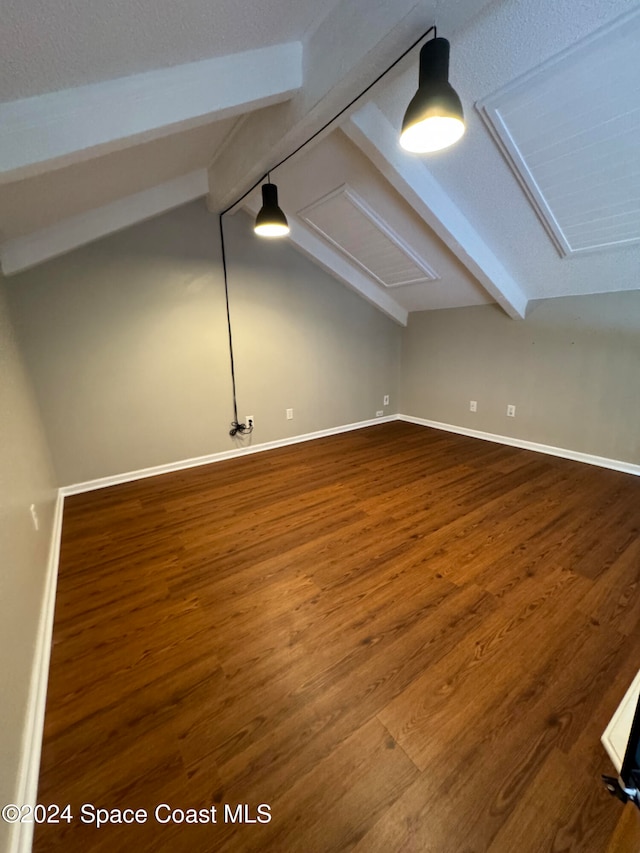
[331, 120]
[246, 429]
[236, 427]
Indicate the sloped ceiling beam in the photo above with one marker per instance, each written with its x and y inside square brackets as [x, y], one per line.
[372, 132]
[60, 128]
[24, 252]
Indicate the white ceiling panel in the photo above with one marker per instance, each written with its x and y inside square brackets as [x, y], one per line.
[570, 129]
[347, 222]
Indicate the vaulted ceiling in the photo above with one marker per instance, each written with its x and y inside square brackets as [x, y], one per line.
[113, 112]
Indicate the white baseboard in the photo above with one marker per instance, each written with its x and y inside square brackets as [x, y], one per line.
[563, 452]
[21, 835]
[130, 476]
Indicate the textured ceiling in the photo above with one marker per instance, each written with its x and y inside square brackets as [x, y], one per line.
[46, 45]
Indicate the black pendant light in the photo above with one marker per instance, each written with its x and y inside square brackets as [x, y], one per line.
[434, 118]
[271, 221]
[435, 109]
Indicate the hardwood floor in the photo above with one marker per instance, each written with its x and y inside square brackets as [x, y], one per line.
[398, 639]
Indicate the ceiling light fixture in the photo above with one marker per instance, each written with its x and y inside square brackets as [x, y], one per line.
[434, 118]
[271, 221]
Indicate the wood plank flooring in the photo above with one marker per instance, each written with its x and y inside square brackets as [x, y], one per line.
[396, 638]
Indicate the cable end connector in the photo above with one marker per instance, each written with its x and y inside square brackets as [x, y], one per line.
[241, 429]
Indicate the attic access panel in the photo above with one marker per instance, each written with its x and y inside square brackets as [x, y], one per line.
[346, 221]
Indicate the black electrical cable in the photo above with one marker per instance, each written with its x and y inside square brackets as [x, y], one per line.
[243, 429]
[331, 120]
[246, 429]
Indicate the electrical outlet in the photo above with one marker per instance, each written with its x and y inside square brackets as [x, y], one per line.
[248, 420]
[34, 517]
[385, 401]
[473, 405]
[511, 411]
[379, 414]
[289, 414]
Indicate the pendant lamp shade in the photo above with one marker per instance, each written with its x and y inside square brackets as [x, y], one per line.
[271, 221]
[434, 118]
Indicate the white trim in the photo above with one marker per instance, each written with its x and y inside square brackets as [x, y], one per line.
[615, 736]
[68, 234]
[130, 476]
[550, 450]
[21, 834]
[266, 138]
[489, 110]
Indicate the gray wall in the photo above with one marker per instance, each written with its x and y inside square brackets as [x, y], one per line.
[26, 477]
[572, 369]
[126, 342]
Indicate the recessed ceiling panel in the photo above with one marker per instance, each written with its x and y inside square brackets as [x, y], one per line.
[571, 131]
[349, 224]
